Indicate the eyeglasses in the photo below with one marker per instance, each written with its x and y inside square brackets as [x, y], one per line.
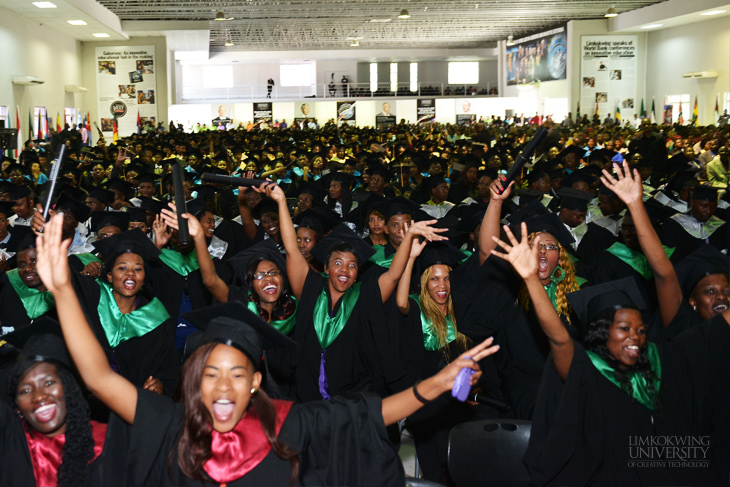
[550, 247]
[272, 273]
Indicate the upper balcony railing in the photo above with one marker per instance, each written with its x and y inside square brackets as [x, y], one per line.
[339, 90]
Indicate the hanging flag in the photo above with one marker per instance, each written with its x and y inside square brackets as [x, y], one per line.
[653, 112]
[577, 111]
[20, 132]
[115, 135]
[31, 125]
[695, 112]
[642, 113]
[58, 122]
[139, 124]
[618, 115]
[596, 108]
[717, 109]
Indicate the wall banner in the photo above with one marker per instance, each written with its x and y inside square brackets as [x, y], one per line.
[540, 57]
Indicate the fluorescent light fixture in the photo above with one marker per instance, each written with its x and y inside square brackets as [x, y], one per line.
[714, 12]
[404, 14]
[76, 22]
[101, 34]
[652, 26]
[355, 43]
[44, 5]
[611, 12]
[510, 41]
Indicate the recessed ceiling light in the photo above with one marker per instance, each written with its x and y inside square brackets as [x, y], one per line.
[611, 12]
[101, 34]
[76, 22]
[713, 12]
[652, 26]
[44, 5]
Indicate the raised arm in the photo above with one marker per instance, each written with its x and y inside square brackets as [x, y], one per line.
[403, 404]
[401, 293]
[296, 265]
[490, 223]
[627, 186]
[524, 259]
[389, 280]
[217, 286]
[115, 391]
[249, 226]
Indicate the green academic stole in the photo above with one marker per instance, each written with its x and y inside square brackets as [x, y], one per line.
[636, 260]
[379, 257]
[638, 382]
[87, 258]
[329, 328]
[555, 279]
[34, 301]
[182, 264]
[430, 339]
[286, 325]
[119, 327]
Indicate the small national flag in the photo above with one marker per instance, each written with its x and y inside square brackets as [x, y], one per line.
[642, 114]
[653, 112]
[31, 125]
[577, 111]
[87, 124]
[596, 108]
[58, 122]
[695, 113]
[717, 109]
[20, 132]
[618, 115]
[115, 135]
[139, 124]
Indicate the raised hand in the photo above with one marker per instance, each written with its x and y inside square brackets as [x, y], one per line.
[447, 375]
[626, 185]
[272, 190]
[162, 234]
[523, 258]
[424, 229]
[170, 219]
[496, 187]
[417, 247]
[52, 260]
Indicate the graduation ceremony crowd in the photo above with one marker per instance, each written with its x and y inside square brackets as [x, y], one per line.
[307, 320]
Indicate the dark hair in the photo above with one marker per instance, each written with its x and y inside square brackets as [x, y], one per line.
[109, 262]
[193, 446]
[77, 452]
[284, 306]
[341, 247]
[595, 340]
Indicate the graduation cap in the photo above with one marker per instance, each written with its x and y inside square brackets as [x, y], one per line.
[347, 180]
[681, 179]
[377, 168]
[581, 175]
[529, 195]
[531, 210]
[136, 214]
[705, 193]
[79, 210]
[535, 175]
[592, 301]
[196, 207]
[16, 167]
[147, 178]
[551, 224]
[41, 346]
[440, 253]
[431, 182]
[343, 234]
[574, 199]
[132, 241]
[151, 204]
[703, 262]
[471, 217]
[395, 206]
[101, 219]
[265, 249]
[319, 219]
[233, 324]
[121, 185]
[572, 149]
[601, 155]
[6, 208]
[106, 197]
[317, 193]
[267, 205]
[20, 192]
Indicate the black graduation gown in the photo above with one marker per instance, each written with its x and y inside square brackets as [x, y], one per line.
[152, 354]
[685, 319]
[586, 430]
[674, 235]
[342, 442]
[362, 356]
[12, 312]
[594, 241]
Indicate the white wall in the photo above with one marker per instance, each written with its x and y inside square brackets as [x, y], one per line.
[695, 47]
[31, 49]
[162, 66]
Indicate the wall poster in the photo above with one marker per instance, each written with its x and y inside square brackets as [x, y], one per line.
[540, 57]
[125, 85]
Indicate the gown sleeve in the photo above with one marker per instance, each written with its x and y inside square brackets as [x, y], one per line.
[343, 442]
